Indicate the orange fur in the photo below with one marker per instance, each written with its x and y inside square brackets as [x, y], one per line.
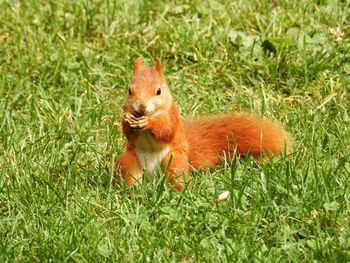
[212, 137]
[130, 166]
[156, 134]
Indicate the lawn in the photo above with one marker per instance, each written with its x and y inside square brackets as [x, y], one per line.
[64, 69]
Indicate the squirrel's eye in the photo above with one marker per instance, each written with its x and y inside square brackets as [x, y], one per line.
[129, 91]
[159, 91]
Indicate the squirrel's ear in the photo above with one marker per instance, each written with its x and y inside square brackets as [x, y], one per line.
[137, 65]
[159, 66]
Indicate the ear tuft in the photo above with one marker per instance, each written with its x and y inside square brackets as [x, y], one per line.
[159, 66]
[138, 64]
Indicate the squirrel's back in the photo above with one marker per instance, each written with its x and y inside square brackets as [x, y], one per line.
[210, 138]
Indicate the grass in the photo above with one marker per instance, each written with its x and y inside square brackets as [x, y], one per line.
[65, 67]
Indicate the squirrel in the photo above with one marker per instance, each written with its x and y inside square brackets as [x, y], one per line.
[157, 135]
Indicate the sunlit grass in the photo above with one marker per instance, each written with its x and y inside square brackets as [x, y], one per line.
[64, 69]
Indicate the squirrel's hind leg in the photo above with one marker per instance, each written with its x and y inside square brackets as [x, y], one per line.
[130, 168]
[176, 165]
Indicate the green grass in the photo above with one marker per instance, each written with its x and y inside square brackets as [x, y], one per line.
[65, 67]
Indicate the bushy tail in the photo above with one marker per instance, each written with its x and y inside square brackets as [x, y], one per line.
[212, 137]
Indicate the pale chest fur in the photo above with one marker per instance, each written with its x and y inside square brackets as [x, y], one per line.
[150, 152]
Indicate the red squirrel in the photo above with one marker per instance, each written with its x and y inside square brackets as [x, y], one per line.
[157, 135]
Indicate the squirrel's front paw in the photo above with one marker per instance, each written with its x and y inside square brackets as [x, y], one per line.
[129, 118]
[138, 123]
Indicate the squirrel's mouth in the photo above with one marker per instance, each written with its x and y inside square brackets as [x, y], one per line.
[140, 111]
[138, 114]
[143, 112]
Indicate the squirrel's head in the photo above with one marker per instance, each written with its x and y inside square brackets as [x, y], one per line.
[148, 92]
